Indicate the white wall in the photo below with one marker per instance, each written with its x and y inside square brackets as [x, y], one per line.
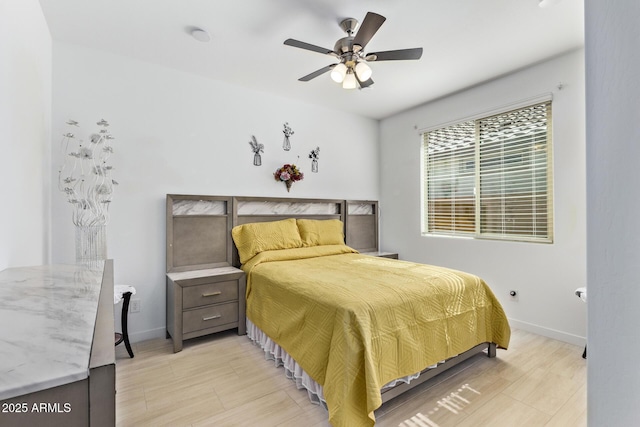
[181, 133]
[613, 204]
[25, 126]
[545, 275]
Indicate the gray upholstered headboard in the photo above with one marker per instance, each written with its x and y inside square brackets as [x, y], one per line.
[199, 226]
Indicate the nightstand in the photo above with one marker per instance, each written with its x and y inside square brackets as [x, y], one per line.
[382, 254]
[202, 302]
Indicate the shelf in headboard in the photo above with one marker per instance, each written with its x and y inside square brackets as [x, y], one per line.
[260, 209]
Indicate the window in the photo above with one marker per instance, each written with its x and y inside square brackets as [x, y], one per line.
[491, 177]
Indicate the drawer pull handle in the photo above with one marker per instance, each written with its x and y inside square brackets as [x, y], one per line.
[217, 316]
[212, 294]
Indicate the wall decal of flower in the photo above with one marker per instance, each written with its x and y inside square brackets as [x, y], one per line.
[286, 144]
[257, 149]
[288, 173]
[314, 155]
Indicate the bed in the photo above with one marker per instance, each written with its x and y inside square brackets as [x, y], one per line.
[352, 322]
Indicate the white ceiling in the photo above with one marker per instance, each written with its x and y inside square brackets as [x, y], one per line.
[465, 42]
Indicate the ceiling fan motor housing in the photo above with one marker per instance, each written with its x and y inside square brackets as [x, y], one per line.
[347, 50]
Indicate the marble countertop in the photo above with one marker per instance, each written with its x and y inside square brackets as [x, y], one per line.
[47, 318]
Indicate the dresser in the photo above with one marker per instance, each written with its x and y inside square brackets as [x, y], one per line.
[202, 302]
[57, 358]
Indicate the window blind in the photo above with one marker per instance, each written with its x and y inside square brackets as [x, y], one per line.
[450, 181]
[491, 177]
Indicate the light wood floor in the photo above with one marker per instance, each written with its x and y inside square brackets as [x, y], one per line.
[224, 380]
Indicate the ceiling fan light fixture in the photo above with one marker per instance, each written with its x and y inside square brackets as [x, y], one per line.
[363, 71]
[338, 73]
[349, 81]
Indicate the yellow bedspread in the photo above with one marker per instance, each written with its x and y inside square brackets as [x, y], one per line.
[355, 322]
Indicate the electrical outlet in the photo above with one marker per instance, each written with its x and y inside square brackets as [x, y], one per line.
[135, 306]
[513, 295]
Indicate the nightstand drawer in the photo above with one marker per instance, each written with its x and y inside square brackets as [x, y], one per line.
[209, 293]
[208, 317]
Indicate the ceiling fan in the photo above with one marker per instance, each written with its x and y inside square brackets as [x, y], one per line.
[352, 70]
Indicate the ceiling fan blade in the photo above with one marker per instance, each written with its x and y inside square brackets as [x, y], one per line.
[395, 55]
[316, 73]
[372, 22]
[364, 84]
[307, 46]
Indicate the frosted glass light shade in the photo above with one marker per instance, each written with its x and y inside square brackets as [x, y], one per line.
[338, 73]
[363, 71]
[349, 81]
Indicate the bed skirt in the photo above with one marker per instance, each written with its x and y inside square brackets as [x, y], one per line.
[293, 371]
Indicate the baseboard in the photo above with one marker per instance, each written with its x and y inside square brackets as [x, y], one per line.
[529, 327]
[549, 333]
[147, 335]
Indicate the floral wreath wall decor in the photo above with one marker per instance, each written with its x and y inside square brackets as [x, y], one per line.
[314, 155]
[257, 149]
[286, 144]
[288, 173]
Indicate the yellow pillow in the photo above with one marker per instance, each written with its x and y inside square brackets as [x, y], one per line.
[256, 237]
[315, 232]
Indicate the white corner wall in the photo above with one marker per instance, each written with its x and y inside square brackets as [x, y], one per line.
[545, 275]
[181, 133]
[613, 203]
[25, 133]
